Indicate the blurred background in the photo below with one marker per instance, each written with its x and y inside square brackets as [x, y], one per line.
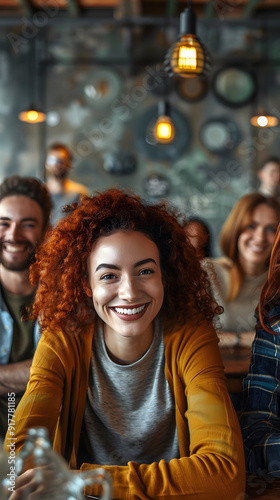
[96, 69]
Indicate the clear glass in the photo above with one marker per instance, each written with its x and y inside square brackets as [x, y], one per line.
[56, 481]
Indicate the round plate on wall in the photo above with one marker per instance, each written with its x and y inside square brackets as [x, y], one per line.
[102, 87]
[192, 89]
[121, 163]
[219, 135]
[156, 185]
[234, 86]
[157, 82]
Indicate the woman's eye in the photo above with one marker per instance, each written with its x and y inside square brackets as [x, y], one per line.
[250, 226]
[271, 229]
[146, 271]
[108, 276]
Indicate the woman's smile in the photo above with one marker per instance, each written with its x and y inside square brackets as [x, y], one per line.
[130, 313]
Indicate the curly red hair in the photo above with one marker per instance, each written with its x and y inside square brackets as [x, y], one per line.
[61, 262]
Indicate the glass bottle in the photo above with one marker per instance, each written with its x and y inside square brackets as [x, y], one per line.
[54, 478]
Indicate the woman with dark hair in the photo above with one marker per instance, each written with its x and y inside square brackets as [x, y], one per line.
[260, 419]
[128, 373]
[246, 241]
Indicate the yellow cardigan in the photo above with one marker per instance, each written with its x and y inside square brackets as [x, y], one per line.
[211, 463]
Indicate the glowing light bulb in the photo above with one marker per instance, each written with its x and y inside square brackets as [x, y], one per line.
[32, 115]
[262, 121]
[164, 130]
[187, 58]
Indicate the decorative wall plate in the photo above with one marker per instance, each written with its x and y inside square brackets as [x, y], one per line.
[192, 89]
[157, 81]
[102, 87]
[234, 86]
[144, 138]
[156, 185]
[121, 163]
[219, 135]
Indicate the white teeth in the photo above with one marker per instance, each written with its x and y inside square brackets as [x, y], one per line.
[14, 249]
[135, 310]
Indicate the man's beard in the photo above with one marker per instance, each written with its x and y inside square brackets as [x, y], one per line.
[19, 266]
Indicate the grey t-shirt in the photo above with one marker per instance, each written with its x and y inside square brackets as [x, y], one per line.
[130, 411]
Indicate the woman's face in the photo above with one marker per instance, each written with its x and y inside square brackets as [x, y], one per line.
[125, 282]
[256, 240]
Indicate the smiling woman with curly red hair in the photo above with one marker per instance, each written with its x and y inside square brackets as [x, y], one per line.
[127, 374]
[65, 255]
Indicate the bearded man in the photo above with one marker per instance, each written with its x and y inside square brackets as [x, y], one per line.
[25, 208]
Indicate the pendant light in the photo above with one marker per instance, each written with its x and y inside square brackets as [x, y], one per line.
[164, 131]
[262, 118]
[188, 57]
[33, 113]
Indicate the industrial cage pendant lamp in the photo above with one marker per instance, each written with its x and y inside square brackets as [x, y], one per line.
[188, 57]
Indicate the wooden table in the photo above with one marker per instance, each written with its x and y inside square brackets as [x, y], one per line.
[259, 489]
[236, 361]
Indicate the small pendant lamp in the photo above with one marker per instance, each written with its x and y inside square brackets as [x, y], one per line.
[164, 131]
[33, 113]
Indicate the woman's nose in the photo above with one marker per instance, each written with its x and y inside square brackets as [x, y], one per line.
[260, 233]
[128, 289]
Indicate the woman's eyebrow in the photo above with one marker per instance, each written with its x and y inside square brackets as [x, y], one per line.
[113, 266]
[107, 266]
[144, 261]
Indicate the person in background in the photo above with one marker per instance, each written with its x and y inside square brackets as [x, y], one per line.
[246, 241]
[199, 235]
[25, 208]
[128, 372]
[269, 176]
[63, 190]
[260, 417]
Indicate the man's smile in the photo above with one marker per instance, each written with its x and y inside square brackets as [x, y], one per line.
[16, 247]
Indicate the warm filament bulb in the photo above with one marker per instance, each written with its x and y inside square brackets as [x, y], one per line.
[187, 58]
[32, 115]
[164, 130]
[262, 121]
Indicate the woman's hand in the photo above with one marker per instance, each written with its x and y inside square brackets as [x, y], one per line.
[25, 485]
[39, 484]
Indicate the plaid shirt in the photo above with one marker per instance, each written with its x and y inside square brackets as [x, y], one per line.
[260, 417]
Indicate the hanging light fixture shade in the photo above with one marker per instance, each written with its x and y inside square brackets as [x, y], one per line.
[164, 131]
[32, 115]
[188, 57]
[262, 119]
